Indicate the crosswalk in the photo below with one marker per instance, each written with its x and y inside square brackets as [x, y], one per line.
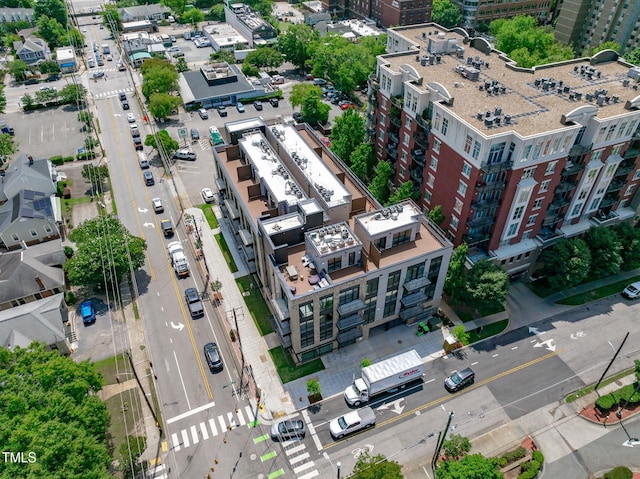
[299, 459]
[110, 93]
[212, 427]
[158, 472]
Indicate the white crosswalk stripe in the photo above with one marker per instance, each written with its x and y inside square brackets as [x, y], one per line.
[240, 417]
[310, 475]
[299, 459]
[185, 438]
[223, 426]
[212, 426]
[157, 472]
[203, 430]
[111, 93]
[304, 467]
[194, 435]
[176, 441]
[250, 413]
[232, 420]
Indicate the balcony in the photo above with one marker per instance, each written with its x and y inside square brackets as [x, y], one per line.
[625, 168]
[416, 174]
[411, 312]
[393, 138]
[616, 186]
[372, 117]
[605, 218]
[351, 307]
[414, 298]
[421, 140]
[349, 336]
[350, 322]
[374, 82]
[496, 167]
[398, 102]
[485, 203]
[631, 153]
[565, 187]
[482, 187]
[475, 237]
[481, 222]
[424, 124]
[608, 201]
[395, 120]
[559, 202]
[549, 235]
[418, 158]
[571, 168]
[416, 283]
[579, 150]
[392, 153]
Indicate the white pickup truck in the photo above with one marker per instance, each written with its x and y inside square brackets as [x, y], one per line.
[351, 422]
[178, 258]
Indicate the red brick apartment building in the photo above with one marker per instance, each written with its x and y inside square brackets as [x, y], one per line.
[516, 157]
[386, 13]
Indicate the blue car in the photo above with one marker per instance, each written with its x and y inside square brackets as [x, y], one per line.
[88, 312]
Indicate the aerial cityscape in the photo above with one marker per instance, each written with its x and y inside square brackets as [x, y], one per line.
[326, 239]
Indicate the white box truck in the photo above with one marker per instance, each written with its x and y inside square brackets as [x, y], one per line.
[352, 422]
[178, 258]
[385, 376]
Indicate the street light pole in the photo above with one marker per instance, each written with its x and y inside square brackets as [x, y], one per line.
[631, 439]
[338, 465]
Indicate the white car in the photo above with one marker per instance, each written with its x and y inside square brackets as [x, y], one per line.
[131, 117]
[109, 58]
[157, 205]
[207, 195]
[632, 291]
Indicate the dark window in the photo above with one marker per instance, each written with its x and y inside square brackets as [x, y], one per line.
[352, 258]
[414, 272]
[393, 281]
[334, 264]
[306, 332]
[380, 243]
[402, 237]
[348, 295]
[372, 287]
[434, 269]
[326, 326]
[369, 312]
[326, 304]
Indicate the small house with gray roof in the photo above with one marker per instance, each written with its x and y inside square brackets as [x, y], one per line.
[153, 11]
[29, 218]
[31, 49]
[27, 172]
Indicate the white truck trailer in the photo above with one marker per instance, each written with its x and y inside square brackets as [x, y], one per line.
[392, 373]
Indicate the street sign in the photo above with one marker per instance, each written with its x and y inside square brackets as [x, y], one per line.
[182, 132]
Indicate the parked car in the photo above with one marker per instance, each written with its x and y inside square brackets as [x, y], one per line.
[130, 116]
[632, 291]
[274, 102]
[257, 105]
[137, 143]
[292, 429]
[97, 75]
[173, 39]
[158, 207]
[203, 113]
[326, 141]
[212, 356]
[148, 178]
[109, 58]
[51, 78]
[207, 195]
[100, 62]
[88, 312]
[167, 228]
[192, 298]
[222, 110]
[297, 117]
[346, 106]
[319, 81]
[240, 107]
[91, 62]
[195, 136]
[184, 154]
[459, 380]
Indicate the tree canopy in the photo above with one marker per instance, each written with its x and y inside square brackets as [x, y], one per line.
[300, 91]
[487, 283]
[605, 249]
[96, 176]
[630, 240]
[56, 9]
[347, 134]
[456, 274]
[404, 192]
[445, 13]
[161, 105]
[528, 44]
[566, 263]
[633, 56]
[168, 144]
[105, 253]
[314, 110]
[474, 466]
[379, 186]
[294, 43]
[158, 76]
[49, 407]
[264, 57]
[362, 162]
[376, 467]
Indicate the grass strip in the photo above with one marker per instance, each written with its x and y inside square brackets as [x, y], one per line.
[286, 369]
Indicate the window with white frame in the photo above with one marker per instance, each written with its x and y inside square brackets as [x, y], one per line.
[467, 144]
[576, 209]
[636, 175]
[436, 145]
[436, 121]
[458, 205]
[462, 188]
[610, 131]
[524, 195]
[403, 156]
[544, 186]
[466, 169]
[513, 229]
[596, 155]
[528, 172]
[381, 134]
[631, 128]
[454, 222]
[583, 194]
[601, 134]
[406, 139]
[556, 144]
[445, 126]
[401, 171]
[33, 232]
[526, 152]
[517, 213]
[592, 175]
[532, 220]
[407, 122]
[383, 119]
[476, 150]
[537, 204]
[629, 190]
[430, 180]
[433, 163]
[551, 167]
[623, 125]
[616, 149]
[427, 196]
[610, 170]
[594, 204]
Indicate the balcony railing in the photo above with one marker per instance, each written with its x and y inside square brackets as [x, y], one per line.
[473, 238]
[616, 186]
[571, 169]
[565, 187]
[414, 298]
[496, 167]
[485, 203]
[579, 150]
[398, 101]
[631, 153]
[396, 120]
[350, 307]
[625, 169]
[350, 322]
[424, 124]
[393, 138]
[416, 174]
[416, 283]
[482, 187]
[608, 201]
[421, 140]
[559, 202]
[418, 158]
[480, 222]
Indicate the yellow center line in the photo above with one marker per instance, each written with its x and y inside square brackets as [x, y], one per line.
[435, 402]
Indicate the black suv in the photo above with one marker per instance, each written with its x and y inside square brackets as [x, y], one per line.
[459, 380]
[192, 298]
[212, 355]
[257, 105]
[274, 102]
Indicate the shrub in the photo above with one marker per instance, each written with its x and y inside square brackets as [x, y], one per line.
[68, 251]
[619, 472]
[232, 335]
[516, 454]
[69, 298]
[313, 387]
[88, 155]
[537, 456]
[56, 160]
[68, 159]
[530, 474]
[502, 461]
[607, 402]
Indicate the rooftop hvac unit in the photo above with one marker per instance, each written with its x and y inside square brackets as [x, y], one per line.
[507, 119]
[480, 115]
[394, 216]
[341, 244]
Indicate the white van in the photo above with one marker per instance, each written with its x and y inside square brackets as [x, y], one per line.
[142, 159]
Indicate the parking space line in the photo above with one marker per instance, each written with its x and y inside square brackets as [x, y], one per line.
[267, 456]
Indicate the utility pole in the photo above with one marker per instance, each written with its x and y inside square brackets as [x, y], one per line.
[615, 355]
[434, 460]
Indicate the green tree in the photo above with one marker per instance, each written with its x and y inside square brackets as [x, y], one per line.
[605, 249]
[379, 186]
[264, 57]
[454, 283]
[460, 334]
[250, 70]
[50, 407]
[456, 446]
[566, 263]
[18, 69]
[487, 284]
[473, 466]
[55, 9]
[376, 467]
[130, 452]
[72, 93]
[445, 13]
[74, 38]
[605, 46]
[182, 66]
[167, 144]
[49, 67]
[314, 110]
[216, 13]
[523, 41]
[176, 6]
[633, 56]
[223, 56]
[159, 76]
[161, 105]
[8, 146]
[27, 101]
[105, 253]
[15, 27]
[3, 99]
[45, 96]
[347, 133]
[84, 117]
[629, 238]
[300, 91]
[436, 215]
[111, 18]
[193, 16]
[294, 43]
[90, 143]
[403, 193]
[362, 161]
[96, 176]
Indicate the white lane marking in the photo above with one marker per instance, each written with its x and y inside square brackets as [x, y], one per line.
[304, 467]
[232, 420]
[212, 425]
[185, 438]
[299, 458]
[189, 413]
[194, 435]
[203, 430]
[184, 388]
[176, 441]
[223, 425]
[240, 417]
[311, 475]
[295, 449]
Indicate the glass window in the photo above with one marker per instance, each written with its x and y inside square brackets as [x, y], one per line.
[380, 243]
[326, 303]
[476, 150]
[544, 186]
[433, 164]
[528, 172]
[467, 144]
[305, 310]
[369, 313]
[436, 145]
[400, 238]
[414, 272]
[462, 188]
[326, 326]
[551, 167]
[406, 140]
[454, 222]
[531, 220]
[629, 190]
[445, 126]
[495, 154]
[513, 229]
[306, 332]
[348, 295]
[334, 264]
[393, 280]
[466, 170]
[430, 180]
[596, 155]
[372, 287]
[458, 206]
[517, 213]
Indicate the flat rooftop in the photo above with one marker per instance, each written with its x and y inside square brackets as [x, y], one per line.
[392, 218]
[532, 107]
